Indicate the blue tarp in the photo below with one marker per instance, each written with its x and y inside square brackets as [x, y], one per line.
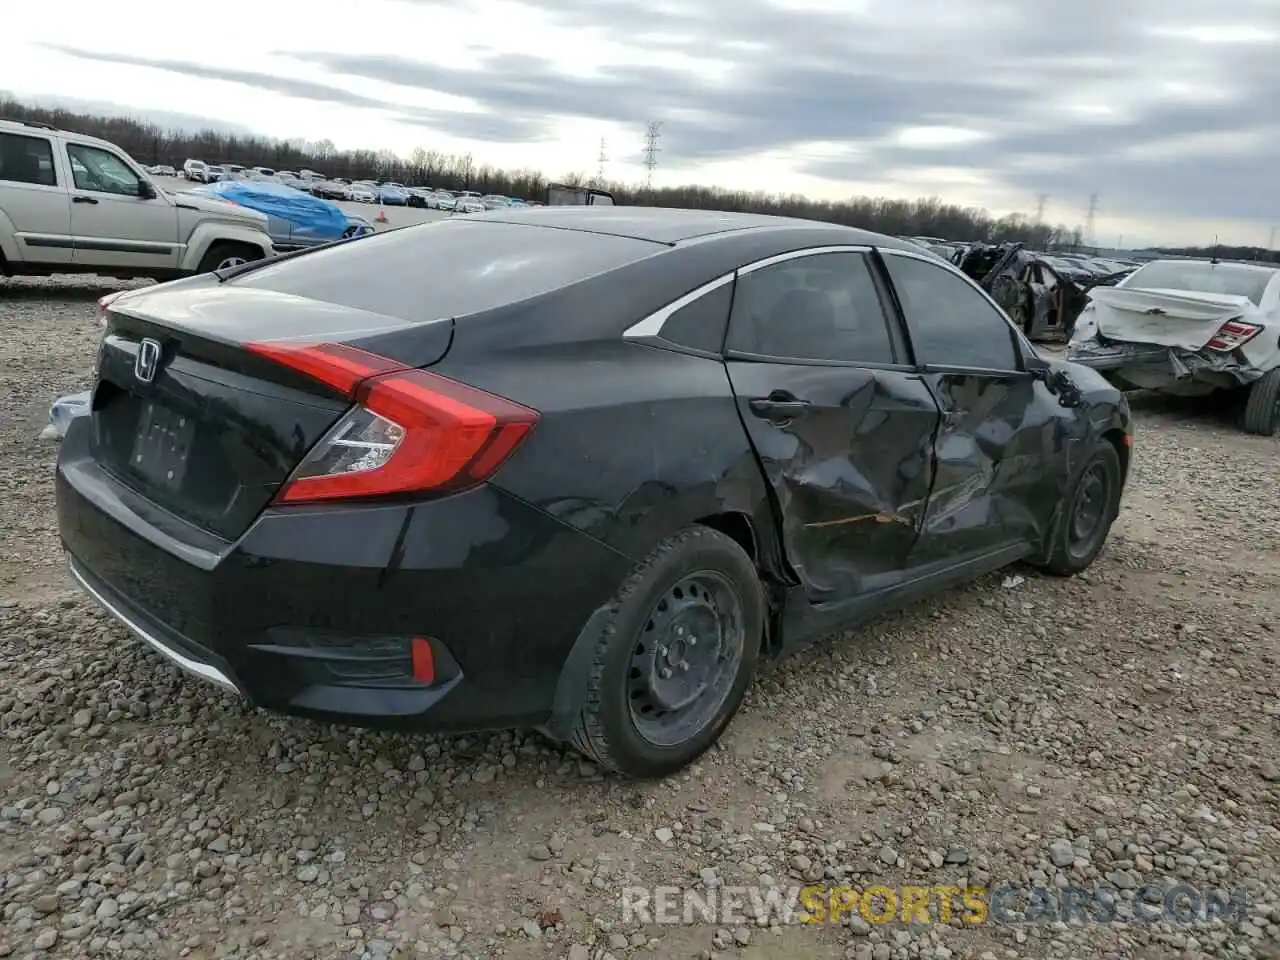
[294, 217]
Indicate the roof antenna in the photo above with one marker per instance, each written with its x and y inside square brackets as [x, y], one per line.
[1216, 248]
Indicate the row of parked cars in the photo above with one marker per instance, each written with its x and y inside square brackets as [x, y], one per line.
[341, 188]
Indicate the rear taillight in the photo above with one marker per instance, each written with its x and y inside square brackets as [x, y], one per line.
[1232, 334]
[411, 430]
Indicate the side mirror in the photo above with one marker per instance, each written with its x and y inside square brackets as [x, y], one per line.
[1056, 382]
[146, 190]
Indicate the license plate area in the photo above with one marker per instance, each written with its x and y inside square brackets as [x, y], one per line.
[162, 445]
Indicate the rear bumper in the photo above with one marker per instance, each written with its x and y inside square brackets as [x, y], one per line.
[1157, 367]
[313, 611]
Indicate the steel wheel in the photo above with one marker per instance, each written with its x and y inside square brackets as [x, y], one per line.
[686, 659]
[227, 263]
[1088, 516]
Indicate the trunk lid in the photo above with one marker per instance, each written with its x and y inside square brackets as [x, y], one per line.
[216, 430]
[1170, 318]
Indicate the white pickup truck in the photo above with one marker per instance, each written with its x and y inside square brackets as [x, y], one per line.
[75, 204]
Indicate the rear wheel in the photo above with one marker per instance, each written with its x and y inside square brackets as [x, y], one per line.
[1087, 513]
[1262, 410]
[223, 256]
[675, 658]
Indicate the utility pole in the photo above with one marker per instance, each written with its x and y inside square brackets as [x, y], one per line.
[1041, 201]
[601, 160]
[1271, 240]
[652, 136]
[1091, 220]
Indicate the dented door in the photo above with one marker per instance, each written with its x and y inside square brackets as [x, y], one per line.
[990, 487]
[848, 453]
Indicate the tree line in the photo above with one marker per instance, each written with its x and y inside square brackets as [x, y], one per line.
[150, 144]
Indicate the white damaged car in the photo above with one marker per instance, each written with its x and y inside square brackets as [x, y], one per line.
[1189, 328]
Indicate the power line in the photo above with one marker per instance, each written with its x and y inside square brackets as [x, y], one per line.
[652, 136]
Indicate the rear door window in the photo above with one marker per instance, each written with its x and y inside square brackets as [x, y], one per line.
[450, 268]
[27, 160]
[820, 307]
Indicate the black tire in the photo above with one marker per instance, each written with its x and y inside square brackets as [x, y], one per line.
[1262, 410]
[220, 253]
[1074, 545]
[608, 730]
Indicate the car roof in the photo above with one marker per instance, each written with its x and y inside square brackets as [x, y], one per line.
[672, 226]
[34, 128]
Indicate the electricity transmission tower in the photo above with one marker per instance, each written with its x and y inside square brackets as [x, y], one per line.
[1271, 240]
[652, 136]
[1091, 220]
[1041, 200]
[601, 160]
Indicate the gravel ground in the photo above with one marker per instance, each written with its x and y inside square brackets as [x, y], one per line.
[1120, 728]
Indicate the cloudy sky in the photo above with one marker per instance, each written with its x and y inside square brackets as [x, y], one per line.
[1167, 109]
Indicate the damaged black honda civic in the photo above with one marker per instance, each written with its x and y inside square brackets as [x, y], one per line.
[575, 469]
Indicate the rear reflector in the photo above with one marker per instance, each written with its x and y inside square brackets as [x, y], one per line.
[411, 431]
[424, 660]
[1232, 334]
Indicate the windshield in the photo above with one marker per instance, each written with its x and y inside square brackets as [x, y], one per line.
[1197, 276]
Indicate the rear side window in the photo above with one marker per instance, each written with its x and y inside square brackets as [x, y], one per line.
[701, 324]
[821, 307]
[27, 160]
[450, 268]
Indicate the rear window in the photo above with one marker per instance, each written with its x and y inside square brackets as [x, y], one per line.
[1196, 276]
[450, 268]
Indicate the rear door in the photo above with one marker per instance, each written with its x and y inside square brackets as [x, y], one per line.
[34, 198]
[842, 425]
[1000, 427]
[113, 226]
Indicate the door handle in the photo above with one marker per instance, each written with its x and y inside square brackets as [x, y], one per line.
[778, 407]
[84, 199]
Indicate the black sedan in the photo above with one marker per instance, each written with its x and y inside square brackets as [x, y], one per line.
[584, 486]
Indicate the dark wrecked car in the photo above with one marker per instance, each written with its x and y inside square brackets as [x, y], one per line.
[1040, 296]
[1190, 328]
[586, 486]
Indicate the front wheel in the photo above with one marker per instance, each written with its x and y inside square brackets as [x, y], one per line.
[1089, 510]
[674, 660]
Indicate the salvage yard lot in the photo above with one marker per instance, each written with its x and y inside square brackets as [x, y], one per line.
[1124, 724]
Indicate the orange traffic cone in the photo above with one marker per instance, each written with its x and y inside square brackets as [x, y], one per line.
[382, 215]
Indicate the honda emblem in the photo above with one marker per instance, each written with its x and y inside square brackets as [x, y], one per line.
[148, 359]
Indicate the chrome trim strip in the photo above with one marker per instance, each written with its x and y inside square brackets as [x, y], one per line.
[193, 667]
[797, 254]
[651, 326]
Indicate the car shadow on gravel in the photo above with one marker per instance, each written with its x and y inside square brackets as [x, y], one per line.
[1219, 410]
[76, 289]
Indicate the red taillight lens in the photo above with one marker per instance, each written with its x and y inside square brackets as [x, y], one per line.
[411, 431]
[1232, 334]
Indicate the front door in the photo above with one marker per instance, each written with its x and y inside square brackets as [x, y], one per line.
[998, 427]
[112, 224]
[841, 424]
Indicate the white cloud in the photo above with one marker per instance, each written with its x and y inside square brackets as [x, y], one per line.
[1064, 100]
